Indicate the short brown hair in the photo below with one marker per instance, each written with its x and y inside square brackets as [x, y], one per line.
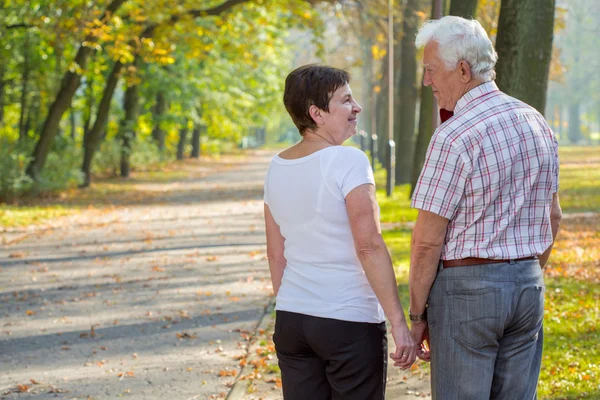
[309, 85]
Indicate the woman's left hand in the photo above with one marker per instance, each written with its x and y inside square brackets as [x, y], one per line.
[406, 349]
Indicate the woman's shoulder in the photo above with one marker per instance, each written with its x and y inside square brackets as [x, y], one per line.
[352, 153]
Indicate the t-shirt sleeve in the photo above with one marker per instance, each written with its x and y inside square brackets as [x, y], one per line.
[441, 184]
[354, 170]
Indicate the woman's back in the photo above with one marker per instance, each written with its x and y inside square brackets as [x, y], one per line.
[306, 197]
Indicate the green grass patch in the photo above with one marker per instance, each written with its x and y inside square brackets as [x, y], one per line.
[396, 208]
[571, 358]
[579, 178]
[15, 217]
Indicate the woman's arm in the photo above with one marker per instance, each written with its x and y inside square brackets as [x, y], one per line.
[377, 263]
[275, 247]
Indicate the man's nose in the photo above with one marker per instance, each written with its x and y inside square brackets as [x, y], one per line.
[357, 107]
[427, 79]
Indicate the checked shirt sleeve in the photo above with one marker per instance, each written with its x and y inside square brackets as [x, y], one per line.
[442, 181]
[556, 164]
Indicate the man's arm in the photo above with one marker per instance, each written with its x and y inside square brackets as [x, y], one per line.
[426, 248]
[275, 250]
[555, 217]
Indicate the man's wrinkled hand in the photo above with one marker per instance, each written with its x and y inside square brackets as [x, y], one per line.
[420, 334]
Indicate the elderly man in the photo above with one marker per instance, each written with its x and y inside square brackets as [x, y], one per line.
[488, 216]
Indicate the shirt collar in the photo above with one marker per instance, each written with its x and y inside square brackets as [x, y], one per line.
[477, 91]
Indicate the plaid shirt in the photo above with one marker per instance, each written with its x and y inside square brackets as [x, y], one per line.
[491, 170]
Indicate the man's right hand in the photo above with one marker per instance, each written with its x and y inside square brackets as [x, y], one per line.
[420, 333]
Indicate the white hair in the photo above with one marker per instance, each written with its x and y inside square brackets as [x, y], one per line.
[461, 39]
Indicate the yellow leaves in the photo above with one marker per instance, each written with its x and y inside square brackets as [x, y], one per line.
[29, 313]
[421, 15]
[225, 372]
[378, 52]
[377, 89]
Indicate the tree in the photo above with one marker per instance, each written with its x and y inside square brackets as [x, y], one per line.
[463, 8]
[524, 46]
[62, 102]
[407, 94]
[427, 114]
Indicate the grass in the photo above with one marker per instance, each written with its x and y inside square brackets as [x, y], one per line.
[571, 361]
[579, 177]
[12, 216]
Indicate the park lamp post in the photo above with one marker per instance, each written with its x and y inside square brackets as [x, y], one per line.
[391, 153]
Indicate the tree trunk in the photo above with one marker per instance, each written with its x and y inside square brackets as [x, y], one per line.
[463, 8]
[407, 94]
[159, 112]
[69, 85]
[130, 104]
[382, 112]
[93, 137]
[524, 46]
[196, 141]
[24, 90]
[366, 115]
[73, 123]
[427, 115]
[183, 131]
[89, 105]
[574, 131]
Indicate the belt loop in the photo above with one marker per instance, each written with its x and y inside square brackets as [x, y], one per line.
[512, 262]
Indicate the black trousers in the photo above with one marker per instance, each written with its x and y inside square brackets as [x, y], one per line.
[323, 358]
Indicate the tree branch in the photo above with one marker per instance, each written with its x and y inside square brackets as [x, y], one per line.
[218, 10]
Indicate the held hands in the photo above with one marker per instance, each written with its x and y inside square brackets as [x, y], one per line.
[406, 349]
[420, 334]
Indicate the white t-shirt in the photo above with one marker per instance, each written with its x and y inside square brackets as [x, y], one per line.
[306, 196]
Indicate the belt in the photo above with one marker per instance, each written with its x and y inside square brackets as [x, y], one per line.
[465, 262]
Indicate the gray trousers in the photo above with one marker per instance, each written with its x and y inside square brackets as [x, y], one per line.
[486, 335]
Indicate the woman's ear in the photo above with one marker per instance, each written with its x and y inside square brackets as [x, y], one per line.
[316, 114]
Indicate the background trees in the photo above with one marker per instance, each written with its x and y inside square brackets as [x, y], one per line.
[104, 87]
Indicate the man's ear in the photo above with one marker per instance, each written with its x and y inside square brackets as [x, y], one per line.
[465, 71]
[316, 114]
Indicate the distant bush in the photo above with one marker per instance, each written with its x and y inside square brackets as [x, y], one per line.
[63, 166]
[61, 170]
[144, 156]
[13, 162]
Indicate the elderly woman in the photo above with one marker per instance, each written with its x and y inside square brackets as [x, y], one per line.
[331, 271]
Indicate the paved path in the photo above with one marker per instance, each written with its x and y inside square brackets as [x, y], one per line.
[155, 300]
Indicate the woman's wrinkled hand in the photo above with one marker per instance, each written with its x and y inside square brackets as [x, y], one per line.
[406, 348]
